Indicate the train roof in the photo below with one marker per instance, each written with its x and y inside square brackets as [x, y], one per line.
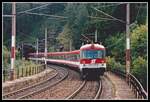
[64, 53]
[92, 47]
[57, 53]
[84, 47]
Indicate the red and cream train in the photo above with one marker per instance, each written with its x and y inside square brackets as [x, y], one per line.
[89, 60]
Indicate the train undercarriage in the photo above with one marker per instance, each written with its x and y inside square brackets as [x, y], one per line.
[91, 73]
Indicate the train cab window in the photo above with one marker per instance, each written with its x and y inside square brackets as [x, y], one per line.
[91, 54]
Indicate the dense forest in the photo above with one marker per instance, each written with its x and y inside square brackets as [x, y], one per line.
[67, 22]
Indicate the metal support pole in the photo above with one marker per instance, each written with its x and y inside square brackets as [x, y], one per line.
[37, 50]
[96, 35]
[45, 47]
[70, 45]
[22, 50]
[13, 40]
[127, 40]
[82, 43]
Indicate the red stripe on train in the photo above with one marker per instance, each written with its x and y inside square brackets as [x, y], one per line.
[92, 61]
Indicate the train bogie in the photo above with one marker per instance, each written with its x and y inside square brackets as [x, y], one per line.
[91, 72]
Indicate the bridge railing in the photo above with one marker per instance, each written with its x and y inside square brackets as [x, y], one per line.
[136, 87]
[134, 84]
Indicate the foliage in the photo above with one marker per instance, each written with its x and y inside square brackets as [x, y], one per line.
[139, 53]
[51, 49]
[29, 27]
[112, 64]
[140, 70]
[77, 19]
[116, 47]
[6, 56]
[139, 41]
[22, 68]
[23, 63]
[65, 37]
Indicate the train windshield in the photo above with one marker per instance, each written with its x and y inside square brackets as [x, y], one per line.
[92, 54]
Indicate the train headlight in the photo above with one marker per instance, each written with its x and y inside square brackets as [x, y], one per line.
[102, 61]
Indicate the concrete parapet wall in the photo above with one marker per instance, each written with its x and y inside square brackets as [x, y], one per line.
[16, 84]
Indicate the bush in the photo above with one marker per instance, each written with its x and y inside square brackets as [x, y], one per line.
[140, 70]
[6, 56]
[112, 64]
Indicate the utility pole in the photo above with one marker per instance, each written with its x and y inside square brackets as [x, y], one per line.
[37, 50]
[82, 43]
[45, 47]
[127, 40]
[13, 41]
[96, 35]
[22, 50]
[70, 45]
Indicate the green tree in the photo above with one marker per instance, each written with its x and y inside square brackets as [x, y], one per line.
[65, 37]
[77, 20]
[139, 41]
[139, 53]
[113, 64]
[116, 47]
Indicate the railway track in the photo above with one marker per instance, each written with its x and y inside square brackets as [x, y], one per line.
[108, 87]
[87, 89]
[63, 89]
[27, 92]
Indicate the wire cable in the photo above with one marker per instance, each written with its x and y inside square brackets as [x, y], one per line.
[33, 9]
[108, 15]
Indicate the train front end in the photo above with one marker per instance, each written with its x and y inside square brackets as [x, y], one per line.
[92, 60]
